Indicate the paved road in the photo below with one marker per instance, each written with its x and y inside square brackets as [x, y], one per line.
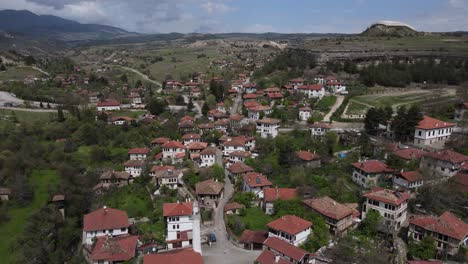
[223, 251]
[339, 101]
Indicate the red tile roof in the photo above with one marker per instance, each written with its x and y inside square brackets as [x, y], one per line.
[208, 151]
[387, 196]
[174, 257]
[250, 104]
[285, 248]
[307, 155]
[197, 145]
[255, 179]
[268, 257]
[259, 108]
[409, 153]
[191, 136]
[329, 207]
[114, 249]
[447, 224]
[273, 194]
[321, 125]
[249, 236]
[139, 151]
[233, 206]
[177, 209]
[297, 80]
[305, 109]
[272, 121]
[162, 168]
[250, 96]
[372, 166]
[290, 224]
[240, 153]
[105, 219]
[210, 187]
[173, 144]
[236, 117]
[431, 123]
[410, 176]
[108, 103]
[160, 140]
[134, 163]
[447, 155]
[240, 167]
[311, 87]
[275, 95]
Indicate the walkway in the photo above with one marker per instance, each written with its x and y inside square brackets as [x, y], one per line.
[339, 101]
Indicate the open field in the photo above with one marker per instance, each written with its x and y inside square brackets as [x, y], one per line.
[133, 114]
[19, 73]
[27, 117]
[253, 218]
[41, 181]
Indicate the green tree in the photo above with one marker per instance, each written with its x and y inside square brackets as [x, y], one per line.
[218, 172]
[29, 60]
[319, 237]
[205, 109]
[124, 78]
[425, 249]
[190, 105]
[156, 106]
[60, 115]
[371, 223]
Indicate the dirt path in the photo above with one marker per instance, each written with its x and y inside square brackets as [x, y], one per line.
[339, 101]
[144, 76]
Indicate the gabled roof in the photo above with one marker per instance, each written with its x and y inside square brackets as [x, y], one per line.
[258, 108]
[191, 136]
[177, 209]
[271, 121]
[134, 163]
[139, 151]
[250, 96]
[387, 196]
[197, 145]
[173, 144]
[285, 248]
[290, 224]
[372, 166]
[240, 167]
[208, 151]
[268, 257]
[273, 194]
[321, 125]
[105, 219]
[233, 206]
[108, 103]
[431, 123]
[410, 176]
[329, 207]
[447, 155]
[240, 153]
[236, 117]
[249, 236]
[162, 168]
[174, 257]
[114, 249]
[409, 153]
[296, 80]
[210, 187]
[307, 155]
[255, 179]
[447, 224]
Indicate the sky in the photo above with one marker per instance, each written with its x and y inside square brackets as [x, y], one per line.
[255, 16]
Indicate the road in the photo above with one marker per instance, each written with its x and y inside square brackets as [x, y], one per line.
[223, 251]
[196, 105]
[339, 101]
[6, 97]
[144, 76]
[236, 103]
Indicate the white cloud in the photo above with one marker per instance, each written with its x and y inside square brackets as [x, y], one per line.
[212, 7]
[259, 28]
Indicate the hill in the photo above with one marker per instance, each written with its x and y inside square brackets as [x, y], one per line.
[391, 29]
[27, 23]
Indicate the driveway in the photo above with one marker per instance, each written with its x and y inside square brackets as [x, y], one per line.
[339, 101]
[223, 251]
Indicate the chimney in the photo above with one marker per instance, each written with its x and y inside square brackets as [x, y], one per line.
[277, 259]
[105, 209]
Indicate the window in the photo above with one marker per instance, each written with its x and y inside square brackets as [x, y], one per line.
[419, 133]
[123, 229]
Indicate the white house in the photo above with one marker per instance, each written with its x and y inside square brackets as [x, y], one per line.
[442, 164]
[392, 206]
[409, 180]
[277, 251]
[273, 194]
[138, 153]
[191, 137]
[134, 167]
[432, 132]
[238, 156]
[255, 182]
[173, 150]
[319, 129]
[296, 82]
[312, 90]
[250, 88]
[179, 218]
[305, 113]
[104, 222]
[208, 157]
[231, 145]
[256, 112]
[108, 106]
[367, 173]
[220, 107]
[268, 127]
[320, 79]
[290, 228]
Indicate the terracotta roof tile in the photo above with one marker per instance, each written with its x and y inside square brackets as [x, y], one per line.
[162, 168]
[197, 145]
[209, 151]
[114, 249]
[409, 153]
[177, 209]
[285, 248]
[387, 196]
[191, 136]
[240, 167]
[104, 219]
[255, 179]
[372, 166]
[431, 123]
[268, 257]
[272, 121]
[329, 207]
[447, 155]
[233, 206]
[174, 144]
[273, 194]
[210, 187]
[134, 163]
[139, 151]
[160, 140]
[174, 257]
[290, 224]
[410, 176]
[307, 155]
[447, 224]
[249, 236]
[461, 179]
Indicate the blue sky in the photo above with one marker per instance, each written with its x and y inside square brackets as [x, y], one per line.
[288, 16]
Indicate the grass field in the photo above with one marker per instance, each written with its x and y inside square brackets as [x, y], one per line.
[83, 154]
[19, 73]
[133, 199]
[133, 114]
[326, 103]
[27, 117]
[253, 218]
[356, 108]
[41, 181]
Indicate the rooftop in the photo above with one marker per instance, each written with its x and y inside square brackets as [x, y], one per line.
[290, 224]
[431, 123]
[447, 224]
[105, 219]
[285, 248]
[387, 196]
[372, 166]
[174, 257]
[210, 187]
[114, 249]
[329, 207]
[177, 209]
[273, 194]
[255, 179]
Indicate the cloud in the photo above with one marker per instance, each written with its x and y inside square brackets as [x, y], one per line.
[458, 3]
[259, 28]
[212, 7]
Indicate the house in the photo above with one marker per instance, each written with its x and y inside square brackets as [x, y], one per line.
[215, 114]
[277, 251]
[296, 82]
[308, 159]
[442, 164]
[112, 178]
[305, 113]
[250, 88]
[121, 120]
[238, 170]
[460, 111]
[166, 177]
[319, 129]
[174, 257]
[209, 192]
[238, 156]
[135, 98]
[409, 154]
[235, 121]
[432, 132]
[338, 217]
[195, 92]
[250, 96]
[158, 142]
[208, 157]
[408, 180]
[233, 208]
[268, 127]
[461, 181]
[233, 144]
[104, 222]
[220, 107]
[290, 228]
[134, 167]
[186, 127]
[368, 173]
[320, 79]
[270, 195]
[108, 106]
[253, 240]
[108, 250]
[206, 129]
[191, 137]
[138, 153]
[173, 150]
[335, 86]
[179, 224]
[258, 111]
[255, 182]
[449, 231]
[312, 90]
[5, 194]
[392, 206]
[222, 125]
